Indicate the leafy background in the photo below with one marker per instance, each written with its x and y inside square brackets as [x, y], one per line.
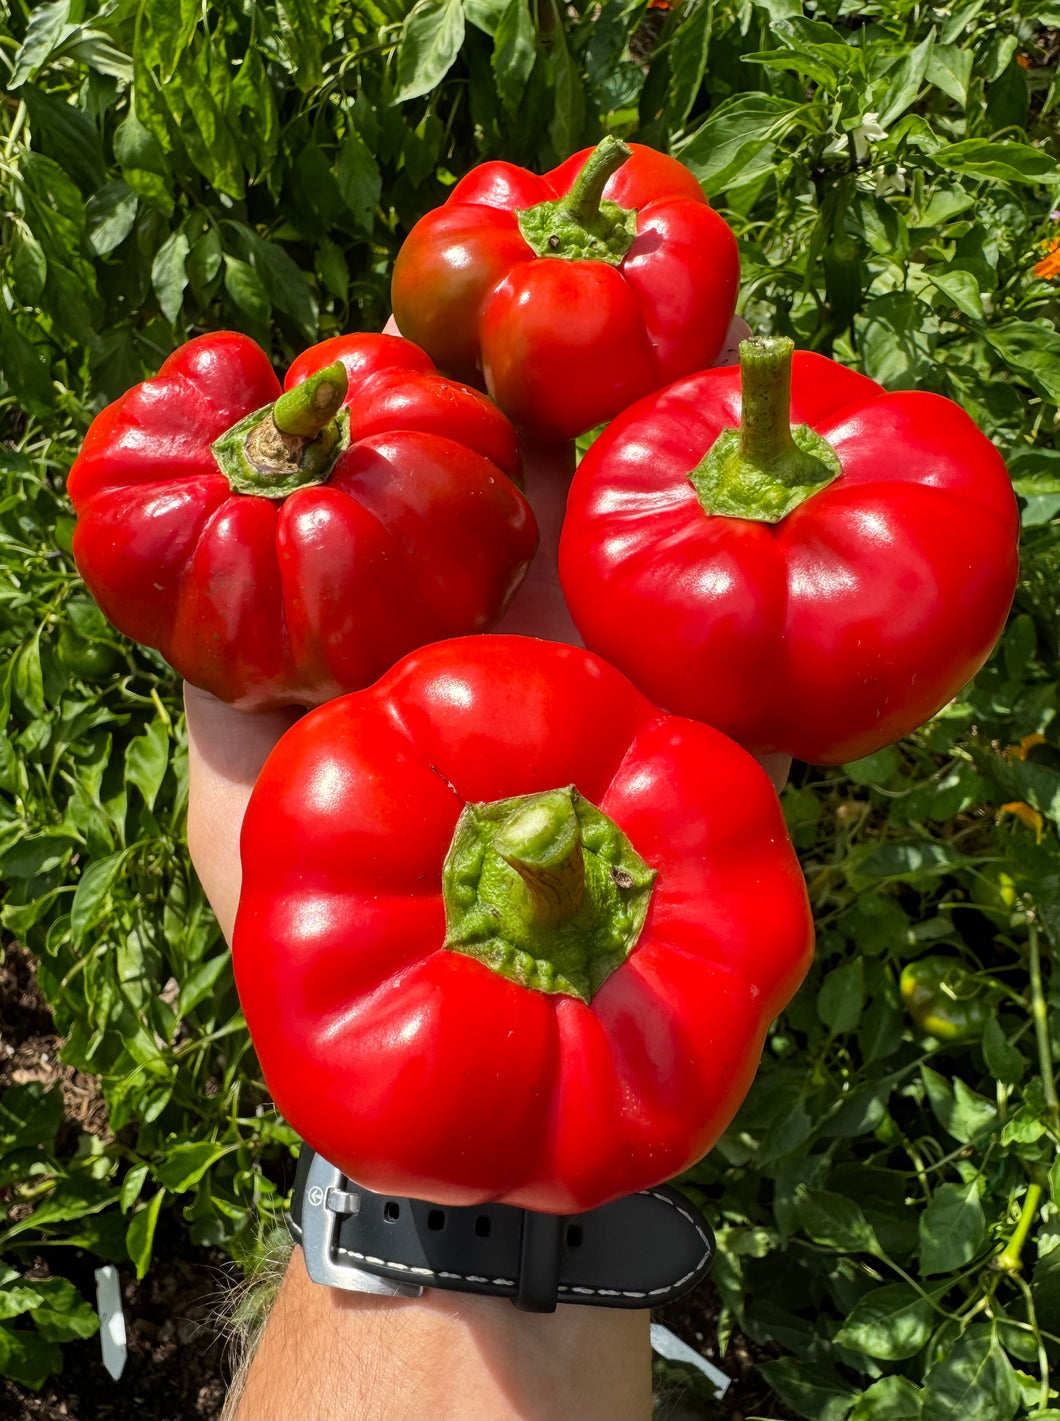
[887, 1203]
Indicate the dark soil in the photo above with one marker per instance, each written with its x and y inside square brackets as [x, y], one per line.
[174, 1370]
[29, 1049]
[695, 1320]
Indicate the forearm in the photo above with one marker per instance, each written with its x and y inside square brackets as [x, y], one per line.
[327, 1355]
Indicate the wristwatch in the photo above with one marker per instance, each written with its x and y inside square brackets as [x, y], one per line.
[638, 1252]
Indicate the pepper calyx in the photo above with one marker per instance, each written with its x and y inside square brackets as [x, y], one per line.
[583, 225]
[290, 444]
[545, 890]
[765, 469]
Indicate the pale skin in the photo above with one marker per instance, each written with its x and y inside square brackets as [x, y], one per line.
[334, 1356]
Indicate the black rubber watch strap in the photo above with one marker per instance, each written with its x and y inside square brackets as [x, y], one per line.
[638, 1252]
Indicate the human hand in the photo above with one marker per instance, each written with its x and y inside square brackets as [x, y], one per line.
[227, 747]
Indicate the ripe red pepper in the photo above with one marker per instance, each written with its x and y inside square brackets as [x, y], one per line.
[571, 294]
[818, 590]
[466, 982]
[284, 549]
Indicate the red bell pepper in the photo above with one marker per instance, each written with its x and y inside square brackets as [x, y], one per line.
[818, 590]
[284, 549]
[509, 932]
[571, 294]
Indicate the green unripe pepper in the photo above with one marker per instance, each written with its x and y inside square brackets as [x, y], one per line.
[944, 999]
[90, 659]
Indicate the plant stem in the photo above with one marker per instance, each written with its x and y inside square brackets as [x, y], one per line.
[1010, 1261]
[16, 128]
[765, 377]
[766, 468]
[582, 203]
[1040, 1013]
[542, 842]
[308, 407]
[163, 714]
[1043, 1355]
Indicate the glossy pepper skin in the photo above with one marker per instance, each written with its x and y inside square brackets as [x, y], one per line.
[564, 341]
[416, 531]
[830, 632]
[419, 1069]
[944, 999]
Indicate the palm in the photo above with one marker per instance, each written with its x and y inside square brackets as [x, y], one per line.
[227, 747]
[538, 608]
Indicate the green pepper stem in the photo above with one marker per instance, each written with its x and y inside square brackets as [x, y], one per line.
[583, 225]
[545, 890]
[582, 203]
[305, 409]
[542, 841]
[765, 417]
[291, 444]
[766, 468]
[1011, 1260]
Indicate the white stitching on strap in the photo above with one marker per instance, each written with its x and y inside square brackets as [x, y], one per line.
[425, 1272]
[655, 1292]
[582, 1292]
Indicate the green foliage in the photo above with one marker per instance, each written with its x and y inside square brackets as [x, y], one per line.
[888, 1205]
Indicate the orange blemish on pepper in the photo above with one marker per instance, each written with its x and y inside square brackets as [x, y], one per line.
[1026, 815]
[1049, 266]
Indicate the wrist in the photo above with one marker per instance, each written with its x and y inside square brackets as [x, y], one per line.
[346, 1354]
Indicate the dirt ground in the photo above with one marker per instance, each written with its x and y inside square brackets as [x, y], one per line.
[175, 1370]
